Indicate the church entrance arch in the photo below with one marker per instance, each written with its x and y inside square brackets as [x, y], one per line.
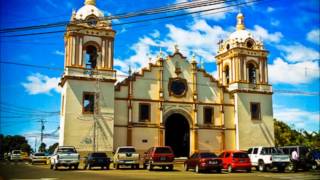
[177, 134]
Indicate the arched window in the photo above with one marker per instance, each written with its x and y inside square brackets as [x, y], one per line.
[252, 74]
[91, 57]
[227, 73]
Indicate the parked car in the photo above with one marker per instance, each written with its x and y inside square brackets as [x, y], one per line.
[304, 160]
[315, 156]
[97, 159]
[38, 158]
[161, 156]
[235, 160]
[264, 158]
[15, 155]
[66, 156]
[126, 155]
[203, 161]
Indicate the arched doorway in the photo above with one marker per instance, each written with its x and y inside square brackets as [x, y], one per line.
[177, 134]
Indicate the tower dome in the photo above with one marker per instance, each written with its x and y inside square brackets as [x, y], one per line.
[240, 38]
[89, 9]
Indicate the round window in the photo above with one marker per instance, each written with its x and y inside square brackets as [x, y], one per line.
[178, 87]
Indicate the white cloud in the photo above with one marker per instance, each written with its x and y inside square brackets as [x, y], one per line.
[314, 36]
[265, 35]
[57, 52]
[298, 118]
[155, 34]
[298, 73]
[275, 22]
[210, 15]
[298, 53]
[52, 3]
[41, 84]
[270, 9]
[199, 38]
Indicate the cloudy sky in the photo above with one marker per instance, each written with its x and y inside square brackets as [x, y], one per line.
[289, 30]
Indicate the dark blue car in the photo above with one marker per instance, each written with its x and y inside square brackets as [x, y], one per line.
[97, 159]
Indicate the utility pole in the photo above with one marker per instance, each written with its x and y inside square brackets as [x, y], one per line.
[42, 121]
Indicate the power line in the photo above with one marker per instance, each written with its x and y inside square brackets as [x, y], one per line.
[165, 9]
[140, 21]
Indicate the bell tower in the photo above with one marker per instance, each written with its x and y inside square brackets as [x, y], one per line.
[87, 99]
[242, 66]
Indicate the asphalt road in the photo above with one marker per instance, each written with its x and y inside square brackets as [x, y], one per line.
[21, 170]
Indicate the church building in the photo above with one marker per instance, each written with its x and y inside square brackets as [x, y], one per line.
[171, 102]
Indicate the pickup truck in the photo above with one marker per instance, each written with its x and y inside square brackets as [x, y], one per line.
[126, 155]
[66, 156]
[264, 158]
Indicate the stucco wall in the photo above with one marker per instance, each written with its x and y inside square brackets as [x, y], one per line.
[78, 127]
[255, 132]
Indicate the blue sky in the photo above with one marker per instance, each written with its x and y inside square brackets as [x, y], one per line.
[289, 30]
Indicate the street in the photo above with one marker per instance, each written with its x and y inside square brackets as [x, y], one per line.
[23, 170]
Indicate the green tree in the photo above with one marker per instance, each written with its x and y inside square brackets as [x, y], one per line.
[42, 147]
[9, 143]
[52, 148]
[286, 136]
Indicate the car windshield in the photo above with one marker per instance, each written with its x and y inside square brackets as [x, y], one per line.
[16, 152]
[67, 150]
[126, 150]
[240, 155]
[271, 150]
[98, 155]
[208, 155]
[163, 150]
[39, 154]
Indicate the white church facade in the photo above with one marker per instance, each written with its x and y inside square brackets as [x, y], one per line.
[170, 102]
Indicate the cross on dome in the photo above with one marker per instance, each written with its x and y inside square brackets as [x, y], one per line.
[240, 22]
[90, 2]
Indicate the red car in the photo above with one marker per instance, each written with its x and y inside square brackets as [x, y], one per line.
[235, 160]
[158, 156]
[201, 161]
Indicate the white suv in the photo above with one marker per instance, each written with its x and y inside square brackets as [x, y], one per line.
[264, 158]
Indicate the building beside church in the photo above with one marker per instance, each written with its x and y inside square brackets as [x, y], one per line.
[170, 102]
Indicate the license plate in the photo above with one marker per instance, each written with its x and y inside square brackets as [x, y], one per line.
[212, 162]
[162, 158]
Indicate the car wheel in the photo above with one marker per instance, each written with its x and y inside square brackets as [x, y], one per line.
[149, 167]
[70, 167]
[85, 167]
[117, 166]
[171, 167]
[261, 166]
[76, 166]
[144, 166]
[290, 167]
[219, 170]
[230, 169]
[281, 168]
[249, 170]
[55, 166]
[197, 170]
[108, 167]
[186, 168]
